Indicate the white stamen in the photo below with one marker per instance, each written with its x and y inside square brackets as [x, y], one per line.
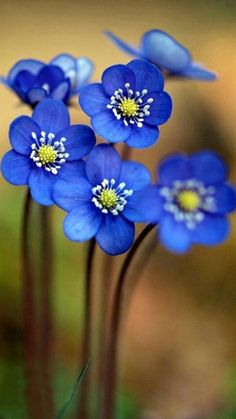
[190, 218]
[119, 192]
[143, 108]
[57, 147]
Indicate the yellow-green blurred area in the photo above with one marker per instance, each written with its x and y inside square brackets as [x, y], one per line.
[178, 353]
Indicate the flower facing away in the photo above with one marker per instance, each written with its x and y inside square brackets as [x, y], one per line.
[46, 147]
[62, 78]
[100, 203]
[167, 54]
[191, 201]
[129, 104]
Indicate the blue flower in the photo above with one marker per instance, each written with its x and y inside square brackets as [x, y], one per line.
[190, 202]
[129, 104]
[46, 148]
[100, 202]
[62, 78]
[167, 54]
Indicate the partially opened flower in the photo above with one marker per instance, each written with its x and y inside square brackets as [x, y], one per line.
[129, 104]
[100, 202]
[46, 147]
[190, 201]
[63, 77]
[166, 53]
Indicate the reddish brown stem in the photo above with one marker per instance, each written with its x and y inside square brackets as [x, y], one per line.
[33, 383]
[113, 343]
[83, 408]
[46, 317]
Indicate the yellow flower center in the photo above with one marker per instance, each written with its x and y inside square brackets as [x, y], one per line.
[189, 200]
[47, 154]
[108, 198]
[129, 107]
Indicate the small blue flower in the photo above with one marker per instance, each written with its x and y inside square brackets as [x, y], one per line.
[100, 202]
[46, 148]
[62, 78]
[190, 202]
[167, 54]
[129, 104]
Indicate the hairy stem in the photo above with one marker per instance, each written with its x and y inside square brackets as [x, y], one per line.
[112, 350]
[83, 409]
[46, 318]
[33, 383]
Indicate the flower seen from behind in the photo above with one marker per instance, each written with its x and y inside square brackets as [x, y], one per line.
[166, 53]
[63, 77]
[100, 203]
[46, 147]
[129, 104]
[191, 201]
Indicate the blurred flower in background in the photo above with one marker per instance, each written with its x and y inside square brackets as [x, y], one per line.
[166, 53]
[62, 78]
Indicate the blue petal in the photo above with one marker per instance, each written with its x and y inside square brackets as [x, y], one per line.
[160, 110]
[84, 70]
[50, 75]
[103, 163]
[35, 95]
[115, 235]
[65, 61]
[62, 91]
[33, 66]
[164, 51]
[83, 222]
[143, 137]
[77, 70]
[174, 167]
[208, 167]
[51, 115]
[225, 198]
[80, 140]
[41, 186]
[147, 76]
[121, 44]
[145, 205]
[212, 230]
[110, 128]
[135, 175]
[93, 99]
[16, 168]
[69, 194]
[175, 235]
[195, 71]
[20, 134]
[23, 81]
[116, 76]
[71, 171]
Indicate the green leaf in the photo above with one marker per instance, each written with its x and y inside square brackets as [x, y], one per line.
[73, 391]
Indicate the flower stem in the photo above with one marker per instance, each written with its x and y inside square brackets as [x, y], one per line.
[83, 408]
[33, 387]
[112, 349]
[46, 320]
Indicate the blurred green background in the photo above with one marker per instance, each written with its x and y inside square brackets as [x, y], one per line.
[178, 357]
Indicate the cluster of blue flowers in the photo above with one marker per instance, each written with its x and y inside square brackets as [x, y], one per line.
[104, 195]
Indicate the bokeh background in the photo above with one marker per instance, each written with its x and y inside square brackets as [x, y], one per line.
[178, 355]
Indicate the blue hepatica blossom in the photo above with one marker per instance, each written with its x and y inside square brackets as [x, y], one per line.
[129, 104]
[45, 148]
[191, 201]
[62, 78]
[167, 54]
[100, 203]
